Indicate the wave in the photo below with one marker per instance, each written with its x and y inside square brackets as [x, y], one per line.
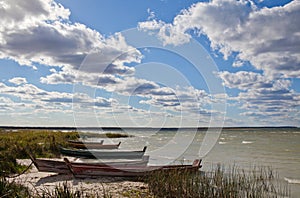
[247, 142]
[222, 142]
[292, 181]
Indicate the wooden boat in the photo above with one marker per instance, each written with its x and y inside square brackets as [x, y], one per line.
[56, 166]
[103, 154]
[89, 170]
[82, 145]
[80, 142]
[47, 165]
[93, 145]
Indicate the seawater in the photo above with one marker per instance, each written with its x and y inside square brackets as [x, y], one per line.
[278, 148]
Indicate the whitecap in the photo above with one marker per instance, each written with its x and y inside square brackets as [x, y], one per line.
[222, 142]
[247, 142]
[292, 181]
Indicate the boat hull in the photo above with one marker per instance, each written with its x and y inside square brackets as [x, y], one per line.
[91, 171]
[93, 145]
[56, 166]
[102, 154]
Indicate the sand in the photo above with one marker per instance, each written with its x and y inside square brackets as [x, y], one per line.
[40, 182]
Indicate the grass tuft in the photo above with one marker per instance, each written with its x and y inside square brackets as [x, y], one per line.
[12, 189]
[232, 183]
[41, 143]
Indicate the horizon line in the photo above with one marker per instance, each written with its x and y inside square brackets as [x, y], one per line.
[128, 127]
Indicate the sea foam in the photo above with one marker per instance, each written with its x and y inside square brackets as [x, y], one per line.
[247, 142]
[292, 181]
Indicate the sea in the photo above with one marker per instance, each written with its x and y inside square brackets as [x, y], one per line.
[243, 148]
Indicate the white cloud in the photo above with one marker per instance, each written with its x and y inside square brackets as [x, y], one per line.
[184, 100]
[18, 80]
[268, 37]
[39, 31]
[5, 104]
[15, 12]
[27, 98]
[244, 80]
[262, 98]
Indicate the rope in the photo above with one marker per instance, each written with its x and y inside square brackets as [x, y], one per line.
[22, 171]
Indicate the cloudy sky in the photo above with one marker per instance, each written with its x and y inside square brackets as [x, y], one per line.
[150, 63]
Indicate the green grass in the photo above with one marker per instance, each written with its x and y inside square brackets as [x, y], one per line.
[41, 143]
[231, 183]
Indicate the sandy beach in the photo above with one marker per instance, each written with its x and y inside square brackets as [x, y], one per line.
[40, 182]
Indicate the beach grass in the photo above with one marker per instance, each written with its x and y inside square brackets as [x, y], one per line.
[40, 143]
[12, 189]
[85, 135]
[66, 191]
[260, 182]
[17, 145]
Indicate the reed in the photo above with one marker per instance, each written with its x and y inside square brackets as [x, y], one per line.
[12, 189]
[65, 191]
[231, 183]
[41, 143]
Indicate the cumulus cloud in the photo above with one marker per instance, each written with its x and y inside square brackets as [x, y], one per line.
[32, 97]
[244, 80]
[5, 104]
[40, 32]
[18, 80]
[186, 100]
[262, 98]
[273, 104]
[266, 37]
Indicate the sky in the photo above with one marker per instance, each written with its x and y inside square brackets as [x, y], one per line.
[158, 63]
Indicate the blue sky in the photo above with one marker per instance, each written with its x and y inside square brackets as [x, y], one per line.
[150, 63]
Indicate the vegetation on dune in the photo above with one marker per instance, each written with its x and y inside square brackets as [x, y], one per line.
[41, 143]
[16, 145]
[233, 183]
[12, 189]
[258, 183]
[84, 135]
[117, 135]
[66, 191]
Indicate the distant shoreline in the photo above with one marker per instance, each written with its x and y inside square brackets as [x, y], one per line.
[136, 128]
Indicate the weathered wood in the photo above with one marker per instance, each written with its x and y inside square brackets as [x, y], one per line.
[57, 166]
[103, 154]
[88, 170]
[92, 145]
